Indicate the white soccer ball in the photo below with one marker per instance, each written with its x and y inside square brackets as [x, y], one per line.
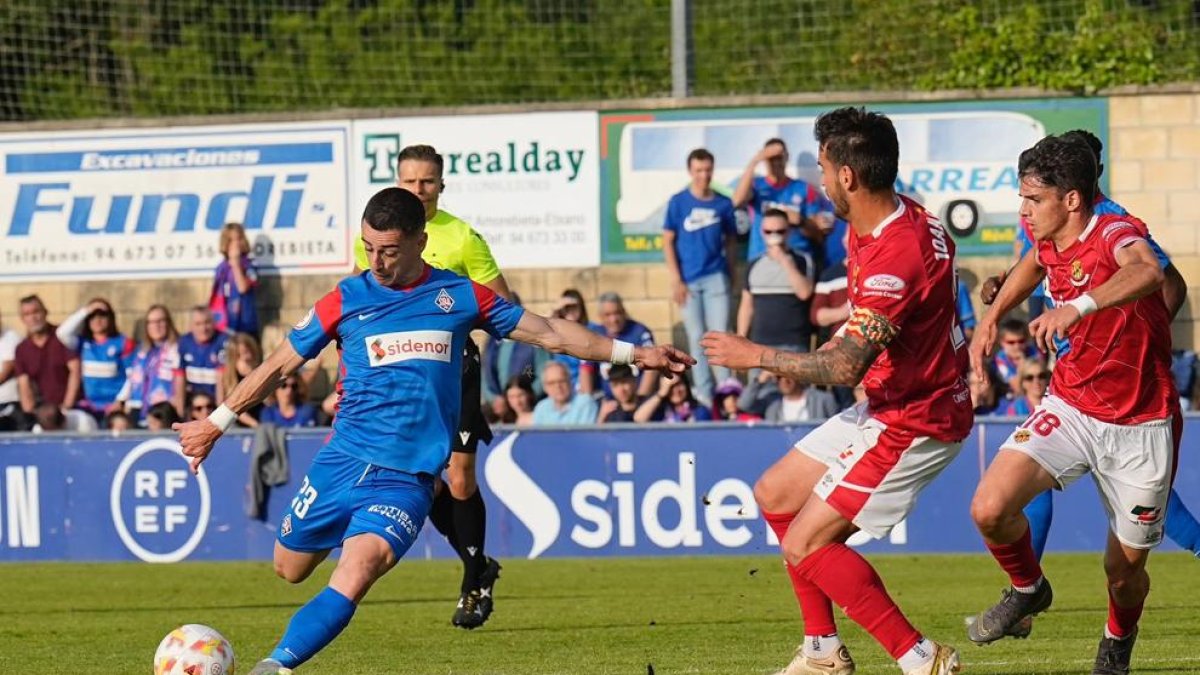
[194, 649]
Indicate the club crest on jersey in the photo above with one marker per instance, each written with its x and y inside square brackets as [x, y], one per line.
[1078, 278]
[1022, 436]
[303, 323]
[444, 301]
[285, 528]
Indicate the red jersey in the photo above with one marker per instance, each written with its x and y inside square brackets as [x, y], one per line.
[904, 270]
[1118, 367]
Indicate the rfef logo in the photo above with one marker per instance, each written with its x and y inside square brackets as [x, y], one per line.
[160, 510]
[389, 348]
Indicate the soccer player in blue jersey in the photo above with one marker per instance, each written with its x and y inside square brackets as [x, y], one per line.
[1181, 526]
[400, 327]
[810, 215]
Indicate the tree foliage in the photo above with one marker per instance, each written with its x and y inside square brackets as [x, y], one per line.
[102, 58]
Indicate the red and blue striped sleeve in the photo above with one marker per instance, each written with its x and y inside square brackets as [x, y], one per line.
[319, 327]
[497, 316]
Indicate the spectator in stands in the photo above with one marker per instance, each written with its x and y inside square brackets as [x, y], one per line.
[503, 358]
[777, 292]
[831, 300]
[201, 405]
[50, 417]
[699, 244]
[156, 372]
[674, 403]
[105, 354]
[232, 299]
[11, 416]
[987, 392]
[583, 373]
[966, 311]
[47, 372]
[805, 210]
[725, 403]
[616, 324]
[203, 351]
[761, 389]
[1035, 380]
[288, 405]
[798, 402]
[562, 405]
[242, 355]
[625, 400]
[521, 401]
[118, 421]
[1015, 348]
[161, 416]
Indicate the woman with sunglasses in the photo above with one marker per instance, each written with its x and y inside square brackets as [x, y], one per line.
[106, 354]
[1034, 377]
[288, 406]
[201, 405]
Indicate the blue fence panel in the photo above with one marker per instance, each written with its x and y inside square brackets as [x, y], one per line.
[653, 490]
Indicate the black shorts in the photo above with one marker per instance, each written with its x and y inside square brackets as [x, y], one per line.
[472, 427]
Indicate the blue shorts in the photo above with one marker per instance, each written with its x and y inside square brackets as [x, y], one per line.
[342, 496]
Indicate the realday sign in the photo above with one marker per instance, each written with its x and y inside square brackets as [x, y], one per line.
[528, 183]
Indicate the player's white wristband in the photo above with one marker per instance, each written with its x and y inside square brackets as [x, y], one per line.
[622, 353]
[1084, 304]
[222, 418]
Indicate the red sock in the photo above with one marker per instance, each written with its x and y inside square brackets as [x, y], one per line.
[815, 607]
[1019, 560]
[853, 584]
[1122, 620]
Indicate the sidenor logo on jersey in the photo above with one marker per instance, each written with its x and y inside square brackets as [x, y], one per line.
[389, 348]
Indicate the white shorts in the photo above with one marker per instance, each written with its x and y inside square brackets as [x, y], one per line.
[875, 472]
[1132, 465]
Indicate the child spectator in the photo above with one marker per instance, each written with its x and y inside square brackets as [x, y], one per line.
[232, 299]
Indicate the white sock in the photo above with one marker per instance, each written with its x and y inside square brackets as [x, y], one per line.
[920, 654]
[1108, 634]
[1029, 589]
[821, 646]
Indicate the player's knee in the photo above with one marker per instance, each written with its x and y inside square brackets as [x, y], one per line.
[989, 513]
[767, 493]
[1124, 575]
[293, 574]
[797, 546]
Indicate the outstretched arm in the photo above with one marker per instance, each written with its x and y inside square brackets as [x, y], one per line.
[567, 337]
[197, 438]
[843, 361]
[1018, 284]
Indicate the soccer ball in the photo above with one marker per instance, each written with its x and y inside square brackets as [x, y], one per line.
[194, 649]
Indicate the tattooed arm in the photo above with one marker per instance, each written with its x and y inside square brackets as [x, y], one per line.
[844, 362]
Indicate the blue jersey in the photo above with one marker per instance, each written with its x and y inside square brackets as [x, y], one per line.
[965, 311]
[200, 362]
[701, 227]
[104, 365]
[795, 195]
[401, 362]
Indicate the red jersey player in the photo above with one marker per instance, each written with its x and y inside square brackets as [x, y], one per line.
[863, 469]
[1112, 406]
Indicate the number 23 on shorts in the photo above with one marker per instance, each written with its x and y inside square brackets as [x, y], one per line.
[304, 499]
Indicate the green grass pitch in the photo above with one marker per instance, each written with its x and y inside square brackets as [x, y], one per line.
[681, 615]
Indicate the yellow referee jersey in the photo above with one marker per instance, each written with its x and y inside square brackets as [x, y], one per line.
[453, 245]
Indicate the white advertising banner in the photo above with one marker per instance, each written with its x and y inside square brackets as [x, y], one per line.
[528, 183]
[150, 203]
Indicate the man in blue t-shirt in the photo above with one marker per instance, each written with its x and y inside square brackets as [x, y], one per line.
[809, 214]
[699, 236]
[202, 351]
[400, 327]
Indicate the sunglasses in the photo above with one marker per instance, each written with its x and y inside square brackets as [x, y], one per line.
[287, 385]
[1037, 376]
[765, 231]
[200, 407]
[1020, 341]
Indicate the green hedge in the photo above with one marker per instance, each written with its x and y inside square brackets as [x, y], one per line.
[101, 58]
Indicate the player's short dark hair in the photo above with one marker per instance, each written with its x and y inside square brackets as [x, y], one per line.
[394, 208]
[1061, 164]
[422, 153]
[1014, 327]
[862, 140]
[1092, 141]
[699, 155]
[775, 213]
[775, 141]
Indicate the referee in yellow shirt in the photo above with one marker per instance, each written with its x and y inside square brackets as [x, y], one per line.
[458, 513]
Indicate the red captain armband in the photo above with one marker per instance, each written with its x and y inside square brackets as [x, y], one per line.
[871, 326]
